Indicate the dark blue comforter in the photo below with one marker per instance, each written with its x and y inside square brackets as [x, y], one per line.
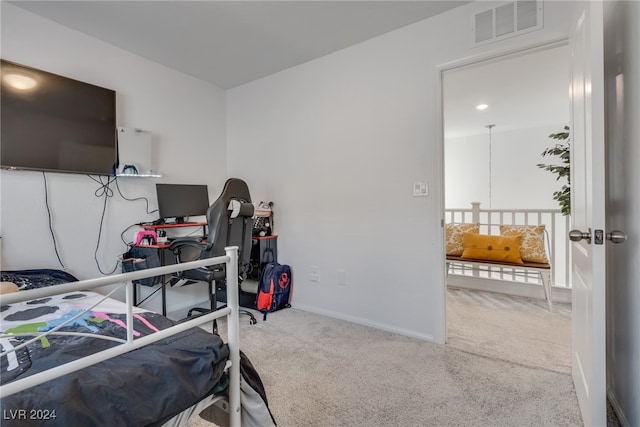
[37, 278]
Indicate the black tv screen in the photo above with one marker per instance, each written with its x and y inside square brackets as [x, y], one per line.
[181, 201]
[54, 123]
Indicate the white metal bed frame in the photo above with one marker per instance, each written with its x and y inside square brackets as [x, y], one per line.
[231, 311]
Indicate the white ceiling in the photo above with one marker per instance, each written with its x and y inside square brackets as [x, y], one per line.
[523, 91]
[229, 43]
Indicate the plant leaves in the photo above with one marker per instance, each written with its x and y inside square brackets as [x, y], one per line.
[563, 152]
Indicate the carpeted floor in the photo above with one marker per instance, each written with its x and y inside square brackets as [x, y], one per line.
[322, 372]
[514, 329]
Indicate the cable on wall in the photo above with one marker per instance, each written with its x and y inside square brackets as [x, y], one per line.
[53, 236]
[125, 230]
[103, 191]
[135, 199]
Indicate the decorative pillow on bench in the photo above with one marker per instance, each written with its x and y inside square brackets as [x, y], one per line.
[492, 248]
[453, 234]
[532, 249]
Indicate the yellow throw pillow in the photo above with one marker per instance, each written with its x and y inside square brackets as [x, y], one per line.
[453, 233]
[532, 249]
[492, 248]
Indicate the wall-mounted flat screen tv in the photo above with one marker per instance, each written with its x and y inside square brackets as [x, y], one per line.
[54, 123]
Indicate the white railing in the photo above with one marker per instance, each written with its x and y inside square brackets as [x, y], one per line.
[556, 229]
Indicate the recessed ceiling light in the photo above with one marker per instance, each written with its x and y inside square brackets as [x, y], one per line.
[482, 106]
[19, 81]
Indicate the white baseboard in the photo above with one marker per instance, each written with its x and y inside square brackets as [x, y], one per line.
[530, 290]
[617, 409]
[366, 322]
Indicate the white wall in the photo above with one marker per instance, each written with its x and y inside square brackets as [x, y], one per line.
[516, 181]
[337, 144]
[185, 116]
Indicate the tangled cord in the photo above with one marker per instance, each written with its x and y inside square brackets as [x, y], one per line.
[103, 191]
[135, 199]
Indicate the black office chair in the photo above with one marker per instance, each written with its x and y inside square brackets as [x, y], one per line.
[230, 223]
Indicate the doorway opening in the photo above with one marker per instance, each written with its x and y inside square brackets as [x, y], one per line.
[497, 118]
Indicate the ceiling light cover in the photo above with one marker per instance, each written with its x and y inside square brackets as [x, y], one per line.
[19, 81]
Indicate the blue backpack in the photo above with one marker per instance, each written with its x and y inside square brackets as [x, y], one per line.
[274, 289]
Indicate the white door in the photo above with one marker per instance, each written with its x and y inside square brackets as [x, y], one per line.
[588, 213]
[622, 80]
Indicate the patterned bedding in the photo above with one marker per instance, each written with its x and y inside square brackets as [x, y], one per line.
[39, 278]
[142, 387]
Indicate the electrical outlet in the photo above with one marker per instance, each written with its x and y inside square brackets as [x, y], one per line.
[342, 277]
[314, 273]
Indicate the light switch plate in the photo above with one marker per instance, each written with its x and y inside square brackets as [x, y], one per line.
[420, 189]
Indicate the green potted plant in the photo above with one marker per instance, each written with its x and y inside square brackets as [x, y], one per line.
[562, 150]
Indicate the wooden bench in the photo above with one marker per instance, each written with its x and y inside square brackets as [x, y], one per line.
[543, 269]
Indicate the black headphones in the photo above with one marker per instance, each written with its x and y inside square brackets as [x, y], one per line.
[129, 170]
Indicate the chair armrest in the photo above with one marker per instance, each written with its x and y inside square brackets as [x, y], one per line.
[182, 242]
[187, 247]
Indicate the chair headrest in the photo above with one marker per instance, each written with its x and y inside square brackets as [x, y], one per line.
[238, 208]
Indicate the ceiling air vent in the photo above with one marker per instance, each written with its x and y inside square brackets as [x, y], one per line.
[507, 20]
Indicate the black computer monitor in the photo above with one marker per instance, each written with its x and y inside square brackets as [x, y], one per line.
[181, 201]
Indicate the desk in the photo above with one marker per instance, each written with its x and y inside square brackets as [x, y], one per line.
[156, 227]
[161, 248]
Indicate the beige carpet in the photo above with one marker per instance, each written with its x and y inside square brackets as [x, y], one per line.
[322, 372]
[515, 329]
